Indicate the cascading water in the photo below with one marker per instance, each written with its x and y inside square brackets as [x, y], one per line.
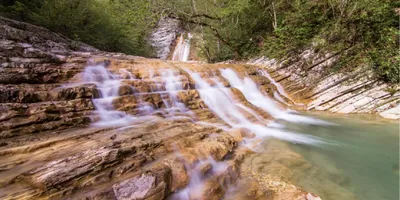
[108, 84]
[173, 85]
[168, 86]
[224, 106]
[279, 98]
[198, 178]
[182, 49]
[278, 86]
[250, 90]
[219, 99]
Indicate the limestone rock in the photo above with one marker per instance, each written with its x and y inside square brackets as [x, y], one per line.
[49, 151]
[164, 35]
[146, 186]
[59, 171]
[180, 178]
[308, 80]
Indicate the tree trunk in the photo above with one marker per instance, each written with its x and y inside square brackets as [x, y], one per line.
[275, 23]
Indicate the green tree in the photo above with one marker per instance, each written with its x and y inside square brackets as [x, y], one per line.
[120, 26]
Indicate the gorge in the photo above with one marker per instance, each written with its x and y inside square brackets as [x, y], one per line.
[80, 123]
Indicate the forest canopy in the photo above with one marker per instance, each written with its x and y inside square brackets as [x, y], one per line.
[362, 32]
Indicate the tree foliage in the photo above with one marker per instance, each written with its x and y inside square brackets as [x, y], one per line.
[361, 32]
[120, 26]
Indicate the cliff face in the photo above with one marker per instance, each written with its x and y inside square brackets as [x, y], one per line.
[308, 80]
[164, 35]
[79, 123]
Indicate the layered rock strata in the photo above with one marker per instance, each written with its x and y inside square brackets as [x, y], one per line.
[164, 35]
[309, 80]
[50, 148]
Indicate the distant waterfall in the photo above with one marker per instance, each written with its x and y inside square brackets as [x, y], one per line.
[182, 49]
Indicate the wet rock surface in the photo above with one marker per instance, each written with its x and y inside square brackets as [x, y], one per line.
[309, 81]
[51, 148]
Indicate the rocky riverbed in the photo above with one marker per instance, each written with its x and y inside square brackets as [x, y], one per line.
[78, 123]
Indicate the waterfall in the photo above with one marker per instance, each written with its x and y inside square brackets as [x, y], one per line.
[168, 83]
[278, 86]
[173, 84]
[218, 98]
[182, 49]
[224, 106]
[108, 85]
[198, 178]
[250, 90]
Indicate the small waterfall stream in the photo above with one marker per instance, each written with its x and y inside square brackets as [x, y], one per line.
[108, 84]
[198, 177]
[278, 86]
[182, 49]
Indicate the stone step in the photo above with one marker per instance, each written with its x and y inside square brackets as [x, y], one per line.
[18, 118]
[32, 93]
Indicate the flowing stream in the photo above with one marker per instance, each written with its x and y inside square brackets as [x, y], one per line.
[337, 158]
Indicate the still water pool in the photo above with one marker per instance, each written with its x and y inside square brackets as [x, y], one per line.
[359, 159]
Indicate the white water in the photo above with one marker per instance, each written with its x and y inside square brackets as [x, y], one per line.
[108, 84]
[224, 106]
[250, 90]
[277, 85]
[173, 84]
[219, 100]
[182, 49]
[279, 98]
[198, 178]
